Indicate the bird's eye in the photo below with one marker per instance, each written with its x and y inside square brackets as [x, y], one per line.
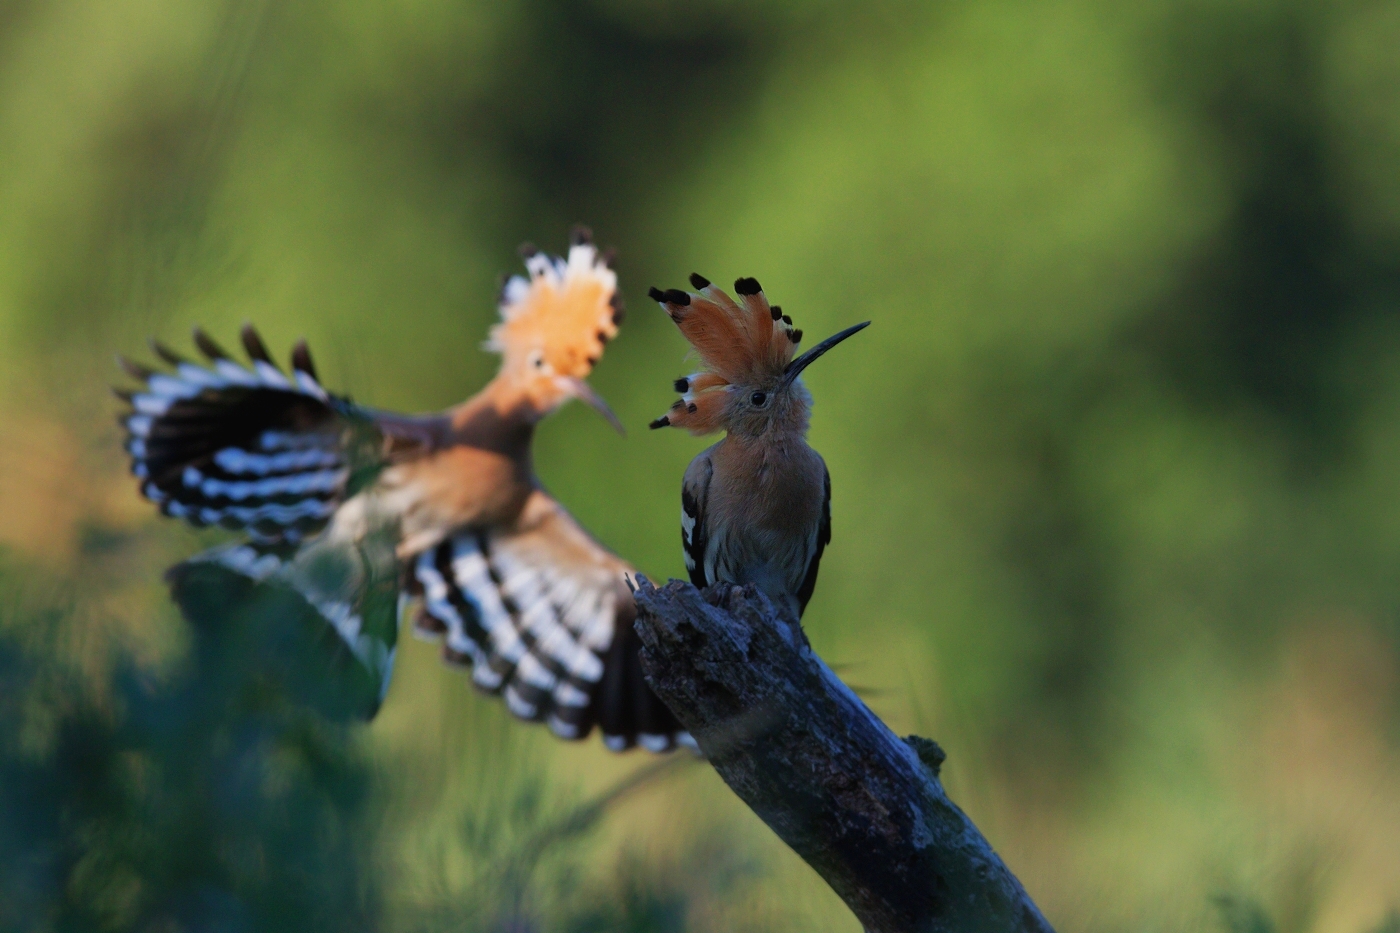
[758, 398]
[537, 360]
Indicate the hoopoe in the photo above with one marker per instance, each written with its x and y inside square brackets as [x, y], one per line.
[372, 515]
[755, 507]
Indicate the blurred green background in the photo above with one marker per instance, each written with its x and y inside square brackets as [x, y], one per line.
[1116, 470]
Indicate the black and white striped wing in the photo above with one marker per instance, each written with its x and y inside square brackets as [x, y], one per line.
[542, 615]
[243, 447]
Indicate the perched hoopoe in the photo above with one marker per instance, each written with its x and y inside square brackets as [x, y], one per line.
[371, 515]
[755, 507]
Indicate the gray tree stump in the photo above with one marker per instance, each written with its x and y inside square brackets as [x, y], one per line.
[864, 808]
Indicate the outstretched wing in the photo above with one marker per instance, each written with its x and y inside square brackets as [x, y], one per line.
[248, 447]
[542, 615]
[321, 615]
[809, 582]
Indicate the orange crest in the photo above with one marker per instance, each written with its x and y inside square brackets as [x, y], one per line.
[567, 310]
[746, 342]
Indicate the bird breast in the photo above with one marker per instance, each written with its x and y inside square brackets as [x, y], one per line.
[763, 513]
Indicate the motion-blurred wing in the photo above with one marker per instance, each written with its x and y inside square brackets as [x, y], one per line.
[543, 616]
[322, 616]
[247, 447]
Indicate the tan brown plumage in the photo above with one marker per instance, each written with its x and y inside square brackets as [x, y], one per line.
[345, 504]
[755, 507]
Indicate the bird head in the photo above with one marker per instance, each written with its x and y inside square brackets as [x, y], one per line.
[750, 385]
[555, 324]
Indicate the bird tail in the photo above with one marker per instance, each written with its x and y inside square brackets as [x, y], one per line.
[627, 710]
[241, 447]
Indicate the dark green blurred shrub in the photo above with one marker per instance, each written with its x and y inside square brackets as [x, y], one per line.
[199, 801]
[230, 795]
[1244, 915]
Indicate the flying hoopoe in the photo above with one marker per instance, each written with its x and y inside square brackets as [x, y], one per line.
[755, 507]
[371, 515]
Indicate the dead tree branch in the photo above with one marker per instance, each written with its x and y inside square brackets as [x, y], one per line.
[861, 806]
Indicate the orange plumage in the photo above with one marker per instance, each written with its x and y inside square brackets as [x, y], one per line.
[743, 342]
[568, 309]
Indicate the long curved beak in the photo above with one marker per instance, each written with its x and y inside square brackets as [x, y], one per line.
[794, 369]
[584, 392]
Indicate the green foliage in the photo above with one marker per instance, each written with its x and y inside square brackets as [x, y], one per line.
[1241, 915]
[188, 803]
[1390, 924]
[232, 795]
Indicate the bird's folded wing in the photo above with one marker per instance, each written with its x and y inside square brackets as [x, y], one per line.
[543, 615]
[695, 538]
[820, 540]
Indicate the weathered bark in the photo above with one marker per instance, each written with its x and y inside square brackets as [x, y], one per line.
[864, 808]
